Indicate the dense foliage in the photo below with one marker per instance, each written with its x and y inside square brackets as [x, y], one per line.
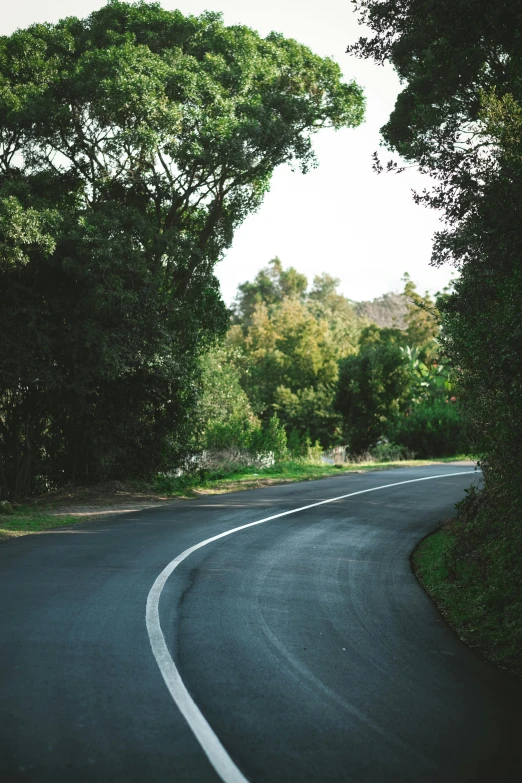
[432, 428]
[459, 117]
[373, 385]
[330, 376]
[289, 342]
[132, 144]
[225, 422]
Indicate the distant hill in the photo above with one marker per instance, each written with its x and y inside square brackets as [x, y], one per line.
[388, 310]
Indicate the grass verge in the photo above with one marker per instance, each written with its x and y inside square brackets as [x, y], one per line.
[485, 612]
[231, 480]
[26, 520]
[30, 519]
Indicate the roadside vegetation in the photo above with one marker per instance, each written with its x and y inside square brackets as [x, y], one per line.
[467, 568]
[282, 472]
[459, 119]
[300, 372]
[27, 519]
[103, 500]
[132, 144]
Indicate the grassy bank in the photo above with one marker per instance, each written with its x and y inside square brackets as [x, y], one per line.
[477, 588]
[32, 519]
[26, 519]
[191, 485]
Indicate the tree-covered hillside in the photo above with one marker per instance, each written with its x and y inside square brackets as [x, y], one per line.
[387, 311]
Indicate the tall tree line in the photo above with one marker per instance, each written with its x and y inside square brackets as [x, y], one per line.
[459, 118]
[303, 354]
[132, 144]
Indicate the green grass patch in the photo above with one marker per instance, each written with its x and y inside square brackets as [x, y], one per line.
[26, 520]
[482, 604]
[30, 519]
[232, 479]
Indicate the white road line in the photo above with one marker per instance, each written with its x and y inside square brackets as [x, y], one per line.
[205, 735]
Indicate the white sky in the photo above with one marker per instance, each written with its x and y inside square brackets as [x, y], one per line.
[340, 218]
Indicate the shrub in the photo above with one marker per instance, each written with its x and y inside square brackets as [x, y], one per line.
[247, 435]
[390, 452]
[300, 447]
[431, 428]
[484, 565]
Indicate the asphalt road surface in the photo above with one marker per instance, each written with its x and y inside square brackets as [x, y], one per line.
[307, 645]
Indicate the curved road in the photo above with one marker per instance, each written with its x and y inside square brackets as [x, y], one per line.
[305, 642]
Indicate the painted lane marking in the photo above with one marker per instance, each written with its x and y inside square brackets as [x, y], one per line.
[212, 747]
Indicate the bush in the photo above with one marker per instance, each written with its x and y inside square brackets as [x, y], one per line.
[431, 428]
[270, 438]
[300, 447]
[390, 452]
[248, 436]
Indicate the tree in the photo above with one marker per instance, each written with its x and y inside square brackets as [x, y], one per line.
[132, 144]
[422, 318]
[459, 118]
[290, 341]
[290, 360]
[225, 424]
[373, 385]
[326, 303]
[270, 286]
[223, 407]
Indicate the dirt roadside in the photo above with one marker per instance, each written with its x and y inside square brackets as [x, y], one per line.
[116, 497]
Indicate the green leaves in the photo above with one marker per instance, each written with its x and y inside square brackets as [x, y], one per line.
[372, 385]
[25, 231]
[459, 118]
[289, 342]
[184, 116]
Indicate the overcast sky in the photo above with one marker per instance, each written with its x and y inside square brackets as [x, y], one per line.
[340, 218]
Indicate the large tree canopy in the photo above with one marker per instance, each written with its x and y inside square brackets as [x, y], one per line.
[459, 118]
[181, 119]
[447, 52]
[132, 144]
